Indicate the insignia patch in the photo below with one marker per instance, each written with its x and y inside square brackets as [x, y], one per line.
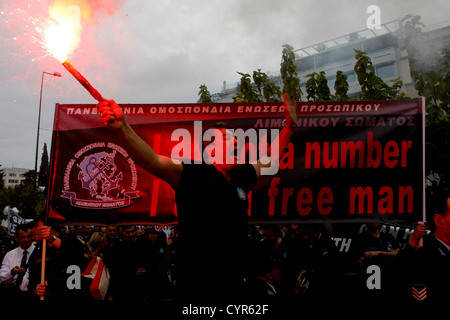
[94, 178]
[241, 193]
[419, 292]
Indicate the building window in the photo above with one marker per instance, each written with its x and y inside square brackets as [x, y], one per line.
[386, 71]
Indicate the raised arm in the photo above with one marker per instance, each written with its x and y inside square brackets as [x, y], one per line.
[161, 166]
[271, 161]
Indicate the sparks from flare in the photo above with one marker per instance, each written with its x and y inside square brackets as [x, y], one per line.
[61, 40]
[41, 29]
[63, 37]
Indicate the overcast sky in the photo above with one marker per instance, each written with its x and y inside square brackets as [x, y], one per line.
[161, 51]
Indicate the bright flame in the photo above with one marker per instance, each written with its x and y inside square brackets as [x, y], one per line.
[63, 36]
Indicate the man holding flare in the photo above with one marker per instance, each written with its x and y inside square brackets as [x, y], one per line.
[209, 197]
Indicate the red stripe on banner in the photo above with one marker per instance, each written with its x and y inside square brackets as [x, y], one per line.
[156, 181]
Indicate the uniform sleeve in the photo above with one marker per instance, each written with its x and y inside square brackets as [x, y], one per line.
[245, 175]
[186, 176]
[5, 271]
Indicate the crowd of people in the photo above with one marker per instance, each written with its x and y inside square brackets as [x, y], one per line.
[281, 260]
[295, 261]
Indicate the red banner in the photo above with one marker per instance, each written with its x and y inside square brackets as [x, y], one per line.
[347, 161]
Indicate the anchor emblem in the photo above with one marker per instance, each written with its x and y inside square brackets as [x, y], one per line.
[98, 174]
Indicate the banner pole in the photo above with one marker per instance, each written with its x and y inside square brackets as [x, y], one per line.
[424, 198]
[44, 254]
[424, 215]
[47, 201]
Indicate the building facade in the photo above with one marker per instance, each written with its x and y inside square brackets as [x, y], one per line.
[385, 47]
[14, 176]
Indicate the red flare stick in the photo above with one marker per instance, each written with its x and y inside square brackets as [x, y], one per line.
[82, 80]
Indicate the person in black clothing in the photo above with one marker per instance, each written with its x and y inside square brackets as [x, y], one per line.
[110, 254]
[209, 197]
[172, 242]
[6, 242]
[425, 260]
[126, 281]
[265, 284]
[155, 262]
[60, 254]
[313, 268]
[373, 247]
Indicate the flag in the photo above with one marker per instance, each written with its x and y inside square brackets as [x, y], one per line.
[348, 161]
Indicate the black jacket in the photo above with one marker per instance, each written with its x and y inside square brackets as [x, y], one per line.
[426, 272]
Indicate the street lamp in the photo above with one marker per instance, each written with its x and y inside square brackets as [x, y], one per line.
[55, 74]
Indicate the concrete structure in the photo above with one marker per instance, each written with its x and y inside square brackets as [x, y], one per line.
[14, 176]
[384, 46]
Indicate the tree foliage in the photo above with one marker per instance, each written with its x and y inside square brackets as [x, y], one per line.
[205, 95]
[372, 86]
[430, 69]
[2, 176]
[44, 168]
[25, 197]
[289, 76]
[317, 87]
[340, 87]
[246, 93]
[267, 90]
[260, 89]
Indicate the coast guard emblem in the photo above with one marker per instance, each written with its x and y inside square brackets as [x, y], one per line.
[241, 193]
[100, 176]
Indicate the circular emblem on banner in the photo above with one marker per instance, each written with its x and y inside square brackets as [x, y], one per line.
[100, 176]
[241, 193]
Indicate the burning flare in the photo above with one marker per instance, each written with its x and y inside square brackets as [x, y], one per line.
[63, 36]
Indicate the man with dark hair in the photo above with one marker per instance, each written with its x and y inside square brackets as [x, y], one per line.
[212, 204]
[426, 258]
[14, 275]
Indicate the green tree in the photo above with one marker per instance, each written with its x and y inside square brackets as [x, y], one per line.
[263, 89]
[289, 76]
[317, 87]
[205, 95]
[266, 89]
[247, 93]
[25, 197]
[372, 86]
[44, 168]
[257, 88]
[29, 178]
[2, 177]
[340, 87]
[430, 69]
